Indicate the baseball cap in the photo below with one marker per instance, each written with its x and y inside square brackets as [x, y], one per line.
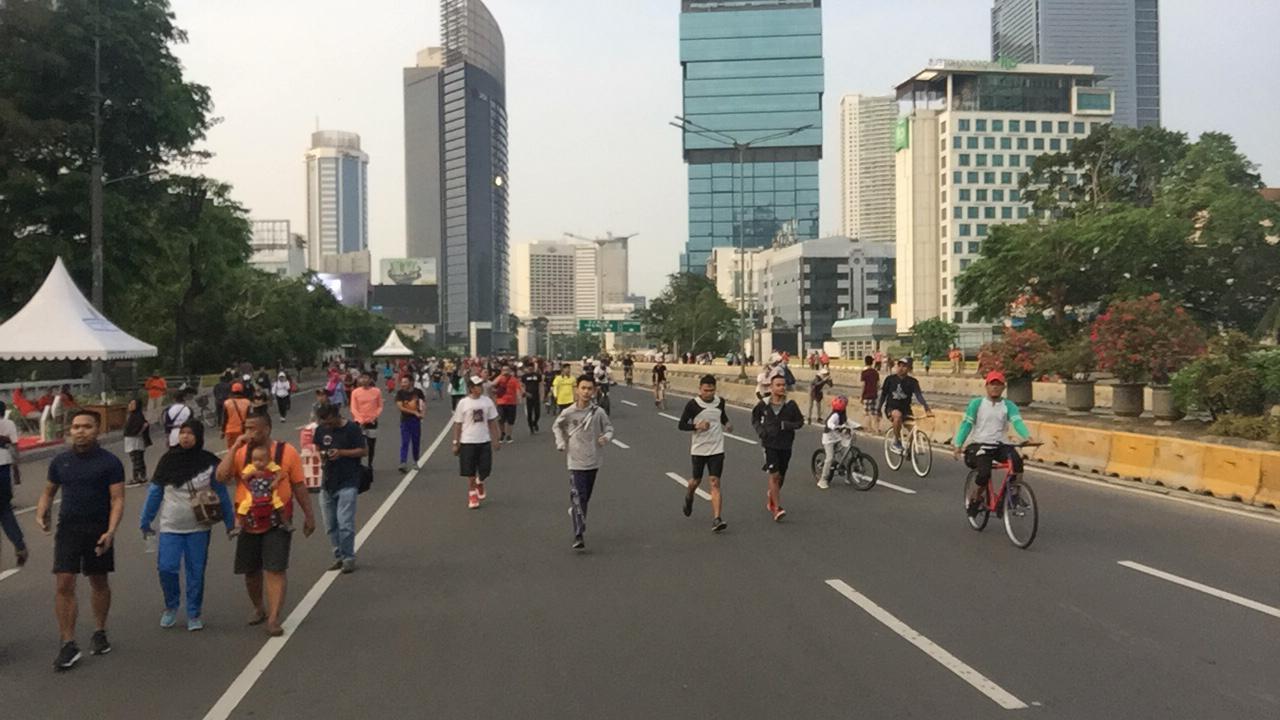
[476, 380]
[996, 376]
[237, 387]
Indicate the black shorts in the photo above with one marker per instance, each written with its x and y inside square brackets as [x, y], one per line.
[776, 461]
[903, 407]
[475, 459]
[507, 414]
[75, 549]
[268, 551]
[713, 464]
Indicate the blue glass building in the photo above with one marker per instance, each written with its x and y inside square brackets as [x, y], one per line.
[751, 68]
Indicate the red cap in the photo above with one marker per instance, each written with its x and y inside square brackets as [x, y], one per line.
[996, 376]
[237, 387]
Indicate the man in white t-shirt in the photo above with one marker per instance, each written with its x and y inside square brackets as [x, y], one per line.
[475, 438]
[8, 478]
[176, 414]
[705, 417]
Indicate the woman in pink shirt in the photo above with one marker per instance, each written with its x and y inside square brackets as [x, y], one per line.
[366, 408]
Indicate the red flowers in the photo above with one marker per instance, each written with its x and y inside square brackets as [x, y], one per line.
[1146, 338]
[1016, 354]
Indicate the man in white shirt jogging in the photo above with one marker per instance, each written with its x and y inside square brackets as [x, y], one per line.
[582, 429]
[475, 438]
[705, 417]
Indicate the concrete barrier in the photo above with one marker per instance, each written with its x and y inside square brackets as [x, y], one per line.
[1232, 473]
[1132, 456]
[1180, 464]
[1268, 481]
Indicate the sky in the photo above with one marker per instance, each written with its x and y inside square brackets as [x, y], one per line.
[591, 85]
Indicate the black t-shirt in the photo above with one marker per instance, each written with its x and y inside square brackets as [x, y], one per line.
[340, 472]
[404, 396]
[900, 390]
[660, 372]
[86, 479]
[627, 362]
[532, 381]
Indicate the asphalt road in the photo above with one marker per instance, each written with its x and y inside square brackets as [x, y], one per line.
[880, 604]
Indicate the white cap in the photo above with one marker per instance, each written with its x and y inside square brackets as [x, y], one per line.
[476, 380]
[775, 358]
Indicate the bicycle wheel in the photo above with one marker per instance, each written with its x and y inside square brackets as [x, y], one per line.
[891, 456]
[921, 453]
[819, 459]
[862, 471]
[604, 403]
[1021, 515]
[979, 521]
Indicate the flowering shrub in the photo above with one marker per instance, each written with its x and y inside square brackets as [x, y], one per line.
[1017, 354]
[1146, 338]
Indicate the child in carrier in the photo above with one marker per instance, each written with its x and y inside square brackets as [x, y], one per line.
[262, 509]
[838, 431]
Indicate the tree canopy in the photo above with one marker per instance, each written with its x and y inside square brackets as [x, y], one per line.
[690, 316]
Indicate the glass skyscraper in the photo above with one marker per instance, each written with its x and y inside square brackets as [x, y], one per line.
[456, 175]
[752, 69]
[337, 196]
[1120, 38]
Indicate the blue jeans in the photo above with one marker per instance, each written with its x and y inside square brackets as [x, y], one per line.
[8, 521]
[193, 548]
[581, 483]
[340, 520]
[410, 434]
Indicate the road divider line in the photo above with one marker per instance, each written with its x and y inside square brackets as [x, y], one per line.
[628, 402]
[1201, 587]
[243, 683]
[980, 682]
[668, 416]
[741, 439]
[899, 488]
[701, 493]
[621, 444]
[9, 573]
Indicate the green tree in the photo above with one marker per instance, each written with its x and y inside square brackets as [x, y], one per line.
[690, 316]
[934, 337]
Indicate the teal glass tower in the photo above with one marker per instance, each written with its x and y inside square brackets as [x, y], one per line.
[751, 69]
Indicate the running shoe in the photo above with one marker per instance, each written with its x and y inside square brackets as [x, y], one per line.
[779, 514]
[823, 484]
[480, 490]
[195, 624]
[718, 525]
[337, 564]
[348, 566]
[473, 500]
[98, 644]
[68, 656]
[168, 618]
[22, 556]
[897, 447]
[973, 508]
[688, 504]
[578, 543]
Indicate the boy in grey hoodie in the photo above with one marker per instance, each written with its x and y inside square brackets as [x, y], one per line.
[582, 429]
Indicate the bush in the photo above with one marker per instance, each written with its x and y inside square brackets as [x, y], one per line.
[1239, 390]
[1248, 428]
[1267, 365]
[1143, 339]
[1073, 360]
[1018, 354]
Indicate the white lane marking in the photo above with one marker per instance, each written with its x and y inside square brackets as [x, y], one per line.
[701, 493]
[1200, 587]
[669, 417]
[741, 439]
[980, 682]
[899, 488]
[243, 683]
[628, 402]
[621, 444]
[8, 573]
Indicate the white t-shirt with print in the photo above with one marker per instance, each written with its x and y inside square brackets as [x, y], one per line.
[9, 430]
[474, 415]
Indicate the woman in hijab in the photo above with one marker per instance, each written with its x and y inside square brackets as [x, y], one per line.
[184, 471]
[137, 438]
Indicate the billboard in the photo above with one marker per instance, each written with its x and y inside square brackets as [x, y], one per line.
[350, 289]
[406, 304]
[408, 271]
[902, 134]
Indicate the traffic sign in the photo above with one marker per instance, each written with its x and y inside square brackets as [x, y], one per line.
[613, 326]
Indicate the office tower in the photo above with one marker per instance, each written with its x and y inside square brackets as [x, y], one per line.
[866, 166]
[1119, 38]
[973, 130]
[337, 196]
[752, 69]
[456, 175]
[277, 249]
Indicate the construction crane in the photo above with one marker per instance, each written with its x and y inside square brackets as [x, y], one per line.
[609, 237]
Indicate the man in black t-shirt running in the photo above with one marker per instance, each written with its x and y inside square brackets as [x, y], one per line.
[532, 380]
[660, 385]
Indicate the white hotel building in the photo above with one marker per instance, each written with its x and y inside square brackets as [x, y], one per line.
[970, 132]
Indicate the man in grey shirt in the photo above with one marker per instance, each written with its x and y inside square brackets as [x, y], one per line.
[582, 429]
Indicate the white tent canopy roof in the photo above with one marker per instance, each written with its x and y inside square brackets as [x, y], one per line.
[58, 323]
[394, 346]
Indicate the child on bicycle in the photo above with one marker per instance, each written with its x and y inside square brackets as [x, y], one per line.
[838, 431]
[986, 422]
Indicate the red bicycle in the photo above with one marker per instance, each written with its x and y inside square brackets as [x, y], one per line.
[1013, 501]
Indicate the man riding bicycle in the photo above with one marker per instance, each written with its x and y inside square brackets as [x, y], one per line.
[986, 422]
[628, 369]
[895, 400]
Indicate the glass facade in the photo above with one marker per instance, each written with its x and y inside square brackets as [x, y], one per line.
[751, 70]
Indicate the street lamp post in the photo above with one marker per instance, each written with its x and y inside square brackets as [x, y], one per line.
[740, 149]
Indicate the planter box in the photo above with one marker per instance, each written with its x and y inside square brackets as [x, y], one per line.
[1020, 391]
[1127, 399]
[110, 417]
[1163, 406]
[1079, 396]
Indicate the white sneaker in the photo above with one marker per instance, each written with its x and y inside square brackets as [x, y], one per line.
[823, 484]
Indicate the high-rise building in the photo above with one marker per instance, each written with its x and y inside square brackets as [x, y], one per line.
[973, 130]
[560, 280]
[753, 84]
[456, 174]
[277, 249]
[337, 196]
[1119, 38]
[866, 166]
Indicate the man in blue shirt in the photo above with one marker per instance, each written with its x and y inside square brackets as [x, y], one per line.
[92, 484]
[342, 445]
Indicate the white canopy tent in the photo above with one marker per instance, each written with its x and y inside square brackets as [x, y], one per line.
[58, 323]
[393, 347]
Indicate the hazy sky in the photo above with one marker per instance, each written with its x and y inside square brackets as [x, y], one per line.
[591, 85]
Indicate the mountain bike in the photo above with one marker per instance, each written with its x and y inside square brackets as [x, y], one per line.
[915, 444]
[602, 397]
[856, 467]
[205, 412]
[1013, 501]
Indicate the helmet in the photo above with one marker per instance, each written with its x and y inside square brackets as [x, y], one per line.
[839, 403]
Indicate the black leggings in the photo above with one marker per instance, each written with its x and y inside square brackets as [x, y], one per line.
[533, 409]
[990, 454]
[138, 458]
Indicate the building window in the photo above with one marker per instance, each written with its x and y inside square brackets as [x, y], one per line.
[957, 177]
[1078, 128]
[981, 230]
[1006, 213]
[964, 195]
[1055, 145]
[957, 142]
[965, 229]
[957, 212]
[942, 179]
[971, 142]
[943, 126]
[980, 125]
[1071, 144]
[1022, 143]
[975, 248]
[1046, 127]
[989, 212]
[1015, 126]
[944, 230]
[989, 143]
[997, 196]
[1006, 143]
[1015, 160]
[972, 178]
[981, 159]
[989, 178]
[944, 195]
[957, 247]
[963, 125]
[981, 195]
[1015, 195]
[959, 317]
[1063, 126]
[964, 265]
[997, 161]
[944, 164]
[1038, 144]
[973, 212]
[1022, 213]
[963, 161]
[997, 126]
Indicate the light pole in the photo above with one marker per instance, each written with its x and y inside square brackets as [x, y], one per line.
[740, 148]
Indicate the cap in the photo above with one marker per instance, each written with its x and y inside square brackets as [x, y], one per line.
[237, 387]
[775, 358]
[996, 376]
[477, 380]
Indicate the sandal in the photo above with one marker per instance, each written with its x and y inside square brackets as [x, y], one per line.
[258, 619]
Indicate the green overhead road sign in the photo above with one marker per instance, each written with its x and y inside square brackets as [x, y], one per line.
[613, 326]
